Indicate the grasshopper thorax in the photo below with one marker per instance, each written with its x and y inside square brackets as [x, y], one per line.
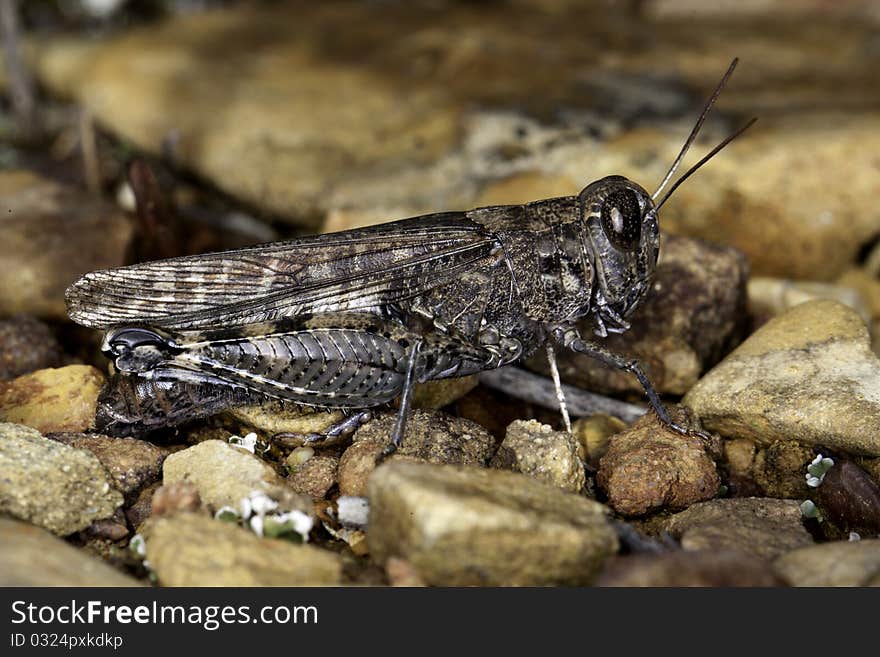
[623, 238]
[136, 349]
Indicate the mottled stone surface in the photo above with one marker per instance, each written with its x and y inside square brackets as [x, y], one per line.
[688, 568]
[780, 470]
[471, 526]
[535, 449]
[762, 527]
[223, 475]
[52, 485]
[594, 435]
[50, 235]
[194, 550]
[62, 399]
[807, 375]
[431, 437]
[30, 556]
[316, 476]
[648, 467]
[132, 463]
[841, 563]
[692, 316]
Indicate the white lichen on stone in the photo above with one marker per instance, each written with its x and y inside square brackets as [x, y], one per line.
[817, 470]
[353, 511]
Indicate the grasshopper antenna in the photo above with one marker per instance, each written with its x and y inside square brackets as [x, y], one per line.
[696, 130]
[703, 161]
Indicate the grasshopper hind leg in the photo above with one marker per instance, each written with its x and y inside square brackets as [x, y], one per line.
[334, 432]
[405, 405]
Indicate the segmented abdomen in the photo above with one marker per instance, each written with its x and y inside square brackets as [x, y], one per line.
[326, 367]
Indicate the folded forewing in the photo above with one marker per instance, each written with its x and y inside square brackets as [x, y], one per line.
[350, 270]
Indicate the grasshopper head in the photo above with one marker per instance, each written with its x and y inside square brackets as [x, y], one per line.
[624, 237]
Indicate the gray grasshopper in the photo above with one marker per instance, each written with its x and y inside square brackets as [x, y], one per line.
[354, 319]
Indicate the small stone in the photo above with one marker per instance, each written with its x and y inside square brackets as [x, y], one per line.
[175, 497]
[739, 455]
[52, 234]
[687, 568]
[769, 297]
[594, 433]
[535, 449]
[133, 464]
[761, 527]
[434, 395]
[193, 550]
[26, 345]
[461, 526]
[780, 468]
[808, 375]
[850, 499]
[401, 572]
[30, 556]
[272, 418]
[692, 316]
[840, 563]
[52, 485]
[650, 467]
[224, 475]
[108, 530]
[431, 437]
[316, 476]
[62, 399]
[298, 456]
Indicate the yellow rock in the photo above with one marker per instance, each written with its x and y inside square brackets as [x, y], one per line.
[62, 399]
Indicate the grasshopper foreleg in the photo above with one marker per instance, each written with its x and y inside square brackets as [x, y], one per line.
[570, 338]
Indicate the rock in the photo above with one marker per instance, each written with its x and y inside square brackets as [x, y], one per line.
[692, 316]
[649, 467]
[316, 476]
[272, 418]
[30, 556]
[26, 344]
[772, 212]
[780, 470]
[685, 568]
[769, 297]
[739, 456]
[176, 497]
[762, 527]
[460, 526]
[50, 235]
[224, 475]
[535, 449]
[400, 572]
[841, 563]
[850, 499]
[594, 433]
[62, 399]
[193, 550]
[132, 463]
[434, 395]
[431, 437]
[808, 375]
[52, 485]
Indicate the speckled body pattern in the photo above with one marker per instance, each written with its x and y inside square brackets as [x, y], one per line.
[332, 320]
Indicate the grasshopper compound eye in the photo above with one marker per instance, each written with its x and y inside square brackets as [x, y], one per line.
[622, 219]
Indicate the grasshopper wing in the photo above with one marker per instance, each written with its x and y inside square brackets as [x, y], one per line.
[346, 271]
